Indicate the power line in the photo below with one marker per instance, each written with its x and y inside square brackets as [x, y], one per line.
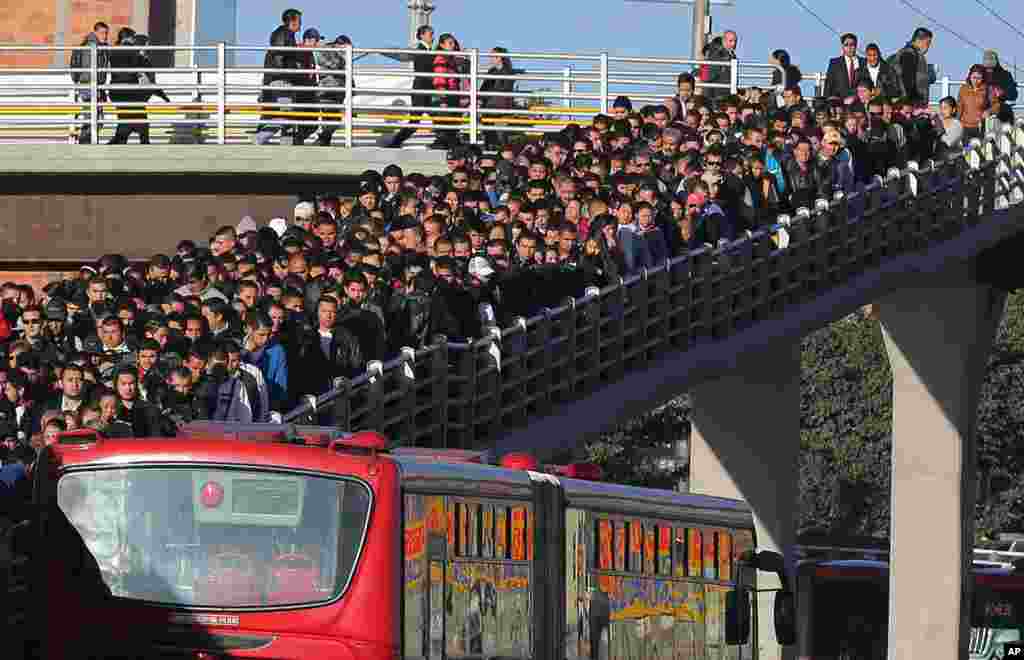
[800, 3]
[941, 25]
[1000, 18]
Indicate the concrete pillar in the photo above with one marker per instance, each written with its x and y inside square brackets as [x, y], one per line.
[745, 445]
[938, 338]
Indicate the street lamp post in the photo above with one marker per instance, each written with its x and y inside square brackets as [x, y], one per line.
[701, 19]
[419, 14]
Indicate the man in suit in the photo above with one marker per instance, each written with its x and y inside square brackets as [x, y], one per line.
[422, 63]
[843, 71]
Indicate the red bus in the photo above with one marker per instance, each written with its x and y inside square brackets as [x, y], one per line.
[854, 623]
[280, 542]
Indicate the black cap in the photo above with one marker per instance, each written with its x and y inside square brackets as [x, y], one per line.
[311, 33]
[369, 186]
[455, 154]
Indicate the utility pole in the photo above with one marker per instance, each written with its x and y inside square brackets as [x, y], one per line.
[701, 19]
[701, 27]
[419, 14]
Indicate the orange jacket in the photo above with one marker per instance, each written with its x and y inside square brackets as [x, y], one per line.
[972, 103]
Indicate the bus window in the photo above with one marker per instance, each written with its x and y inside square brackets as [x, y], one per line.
[636, 546]
[664, 550]
[487, 531]
[620, 546]
[724, 556]
[218, 538]
[710, 556]
[500, 532]
[415, 580]
[693, 553]
[605, 543]
[649, 545]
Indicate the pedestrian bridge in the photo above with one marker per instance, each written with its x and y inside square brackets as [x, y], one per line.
[553, 381]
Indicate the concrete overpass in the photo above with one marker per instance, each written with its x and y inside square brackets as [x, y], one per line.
[64, 203]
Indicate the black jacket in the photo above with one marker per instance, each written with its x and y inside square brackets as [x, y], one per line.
[423, 64]
[131, 61]
[276, 59]
[344, 359]
[837, 79]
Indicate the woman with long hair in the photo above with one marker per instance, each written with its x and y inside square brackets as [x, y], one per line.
[973, 102]
[444, 84]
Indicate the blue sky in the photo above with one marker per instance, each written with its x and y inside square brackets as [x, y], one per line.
[626, 28]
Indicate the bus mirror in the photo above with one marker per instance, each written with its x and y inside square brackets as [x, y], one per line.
[737, 616]
[785, 617]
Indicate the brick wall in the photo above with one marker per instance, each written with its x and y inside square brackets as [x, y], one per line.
[37, 279]
[27, 22]
[36, 22]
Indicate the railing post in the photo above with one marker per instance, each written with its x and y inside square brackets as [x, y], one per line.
[945, 87]
[474, 109]
[349, 86]
[567, 91]
[94, 89]
[604, 83]
[439, 374]
[222, 91]
[734, 76]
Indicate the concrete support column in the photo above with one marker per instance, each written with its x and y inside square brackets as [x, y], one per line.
[938, 338]
[745, 445]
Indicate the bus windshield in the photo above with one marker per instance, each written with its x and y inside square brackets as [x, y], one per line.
[218, 537]
[850, 620]
[995, 618]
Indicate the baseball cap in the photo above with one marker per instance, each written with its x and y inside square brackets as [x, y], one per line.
[342, 40]
[990, 58]
[480, 268]
[311, 33]
[304, 210]
[279, 225]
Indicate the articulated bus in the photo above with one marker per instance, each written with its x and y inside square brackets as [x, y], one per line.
[843, 605]
[264, 541]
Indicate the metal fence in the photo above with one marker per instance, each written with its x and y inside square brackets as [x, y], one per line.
[222, 103]
[942, 88]
[467, 394]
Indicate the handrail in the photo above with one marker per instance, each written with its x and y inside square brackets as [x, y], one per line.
[592, 78]
[512, 372]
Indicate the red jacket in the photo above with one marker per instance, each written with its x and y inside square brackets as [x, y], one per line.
[444, 65]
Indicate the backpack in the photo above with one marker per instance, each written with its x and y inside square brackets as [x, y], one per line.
[76, 63]
[897, 69]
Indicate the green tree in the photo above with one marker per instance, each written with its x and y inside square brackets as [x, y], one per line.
[845, 432]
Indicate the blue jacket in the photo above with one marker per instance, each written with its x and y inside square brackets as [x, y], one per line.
[773, 166]
[273, 363]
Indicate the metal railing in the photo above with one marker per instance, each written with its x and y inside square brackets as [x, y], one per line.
[467, 394]
[226, 102]
[940, 89]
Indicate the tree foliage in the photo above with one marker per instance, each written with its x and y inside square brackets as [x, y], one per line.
[845, 432]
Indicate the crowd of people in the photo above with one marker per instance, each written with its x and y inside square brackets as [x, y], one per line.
[245, 325]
